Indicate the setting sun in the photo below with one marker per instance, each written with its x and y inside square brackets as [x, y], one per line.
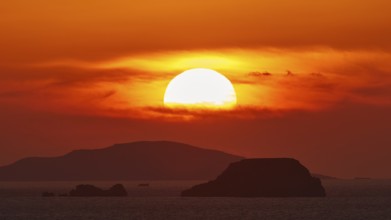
[204, 88]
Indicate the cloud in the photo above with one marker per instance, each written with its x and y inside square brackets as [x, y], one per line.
[69, 74]
[318, 80]
[192, 114]
[100, 30]
[260, 74]
[374, 90]
[72, 89]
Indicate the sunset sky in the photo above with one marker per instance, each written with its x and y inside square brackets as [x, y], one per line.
[312, 78]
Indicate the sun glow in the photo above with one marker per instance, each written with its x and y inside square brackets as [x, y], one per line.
[200, 88]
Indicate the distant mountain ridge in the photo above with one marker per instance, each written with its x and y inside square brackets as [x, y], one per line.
[324, 177]
[144, 160]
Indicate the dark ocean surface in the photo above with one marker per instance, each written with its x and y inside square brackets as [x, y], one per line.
[346, 199]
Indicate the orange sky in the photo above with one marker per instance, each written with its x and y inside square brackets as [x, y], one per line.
[86, 74]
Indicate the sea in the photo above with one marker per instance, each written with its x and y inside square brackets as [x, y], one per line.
[356, 199]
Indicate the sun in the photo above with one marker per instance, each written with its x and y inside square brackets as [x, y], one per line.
[200, 88]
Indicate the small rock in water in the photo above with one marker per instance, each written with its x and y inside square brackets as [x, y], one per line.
[91, 190]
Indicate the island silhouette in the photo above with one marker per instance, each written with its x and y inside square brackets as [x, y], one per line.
[88, 190]
[261, 177]
[144, 160]
[166, 160]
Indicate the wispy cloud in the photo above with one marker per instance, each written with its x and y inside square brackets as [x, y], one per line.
[273, 79]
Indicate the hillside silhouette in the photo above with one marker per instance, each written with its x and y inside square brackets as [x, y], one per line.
[146, 160]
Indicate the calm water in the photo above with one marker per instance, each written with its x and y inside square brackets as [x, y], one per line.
[347, 199]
